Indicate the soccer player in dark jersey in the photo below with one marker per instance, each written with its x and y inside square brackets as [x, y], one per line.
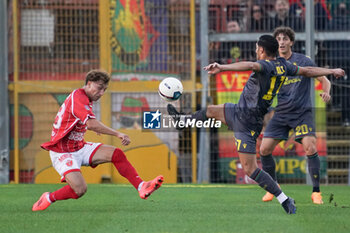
[294, 112]
[246, 117]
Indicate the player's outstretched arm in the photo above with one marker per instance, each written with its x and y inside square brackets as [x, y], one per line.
[312, 72]
[326, 88]
[215, 68]
[100, 128]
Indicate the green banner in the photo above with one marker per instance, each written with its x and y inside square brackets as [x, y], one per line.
[286, 168]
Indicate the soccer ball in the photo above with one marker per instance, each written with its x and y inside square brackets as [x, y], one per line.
[170, 89]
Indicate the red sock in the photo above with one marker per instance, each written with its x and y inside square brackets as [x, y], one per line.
[124, 167]
[66, 192]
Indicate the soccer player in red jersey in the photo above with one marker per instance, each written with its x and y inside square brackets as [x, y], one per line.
[69, 151]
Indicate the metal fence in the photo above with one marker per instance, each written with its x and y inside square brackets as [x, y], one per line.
[52, 44]
[234, 28]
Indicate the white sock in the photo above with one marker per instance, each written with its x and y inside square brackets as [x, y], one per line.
[140, 185]
[282, 197]
[48, 197]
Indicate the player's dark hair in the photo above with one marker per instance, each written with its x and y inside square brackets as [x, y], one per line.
[269, 44]
[287, 31]
[97, 75]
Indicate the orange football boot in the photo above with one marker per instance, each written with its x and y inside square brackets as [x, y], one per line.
[316, 198]
[150, 186]
[42, 203]
[268, 196]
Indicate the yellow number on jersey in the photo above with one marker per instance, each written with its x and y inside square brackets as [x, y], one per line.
[238, 143]
[268, 95]
[301, 130]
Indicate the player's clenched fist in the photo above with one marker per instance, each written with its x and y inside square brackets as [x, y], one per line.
[325, 97]
[338, 73]
[124, 138]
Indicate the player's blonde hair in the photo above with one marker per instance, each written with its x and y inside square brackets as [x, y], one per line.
[97, 75]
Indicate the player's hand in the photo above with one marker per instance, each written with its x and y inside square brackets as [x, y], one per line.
[213, 68]
[124, 138]
[338, 73]
[325, 97]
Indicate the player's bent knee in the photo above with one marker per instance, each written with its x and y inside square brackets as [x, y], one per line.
[80, 191]
[310, 149]
[249, 168]
[265, 150]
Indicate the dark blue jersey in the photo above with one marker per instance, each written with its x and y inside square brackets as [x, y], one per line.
[294, 96]
[262, 86]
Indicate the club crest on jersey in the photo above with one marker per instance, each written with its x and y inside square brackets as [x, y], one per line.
[69, 163]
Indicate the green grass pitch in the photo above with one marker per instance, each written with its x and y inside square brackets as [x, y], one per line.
[173, 208]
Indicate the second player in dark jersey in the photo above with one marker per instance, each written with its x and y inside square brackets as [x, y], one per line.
[294, 112]
[294, 96]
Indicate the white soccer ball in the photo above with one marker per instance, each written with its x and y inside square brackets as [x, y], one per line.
[170, 89]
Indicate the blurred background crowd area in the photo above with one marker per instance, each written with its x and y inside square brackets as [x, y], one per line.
[265, 15]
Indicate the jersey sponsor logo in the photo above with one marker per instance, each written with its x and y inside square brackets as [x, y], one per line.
[76, 136]
[64, 156]
[291, 80]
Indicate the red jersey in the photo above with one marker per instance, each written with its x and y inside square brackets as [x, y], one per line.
[70, 123]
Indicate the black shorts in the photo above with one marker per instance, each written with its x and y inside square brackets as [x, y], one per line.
[281, 124]
[245, 126]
